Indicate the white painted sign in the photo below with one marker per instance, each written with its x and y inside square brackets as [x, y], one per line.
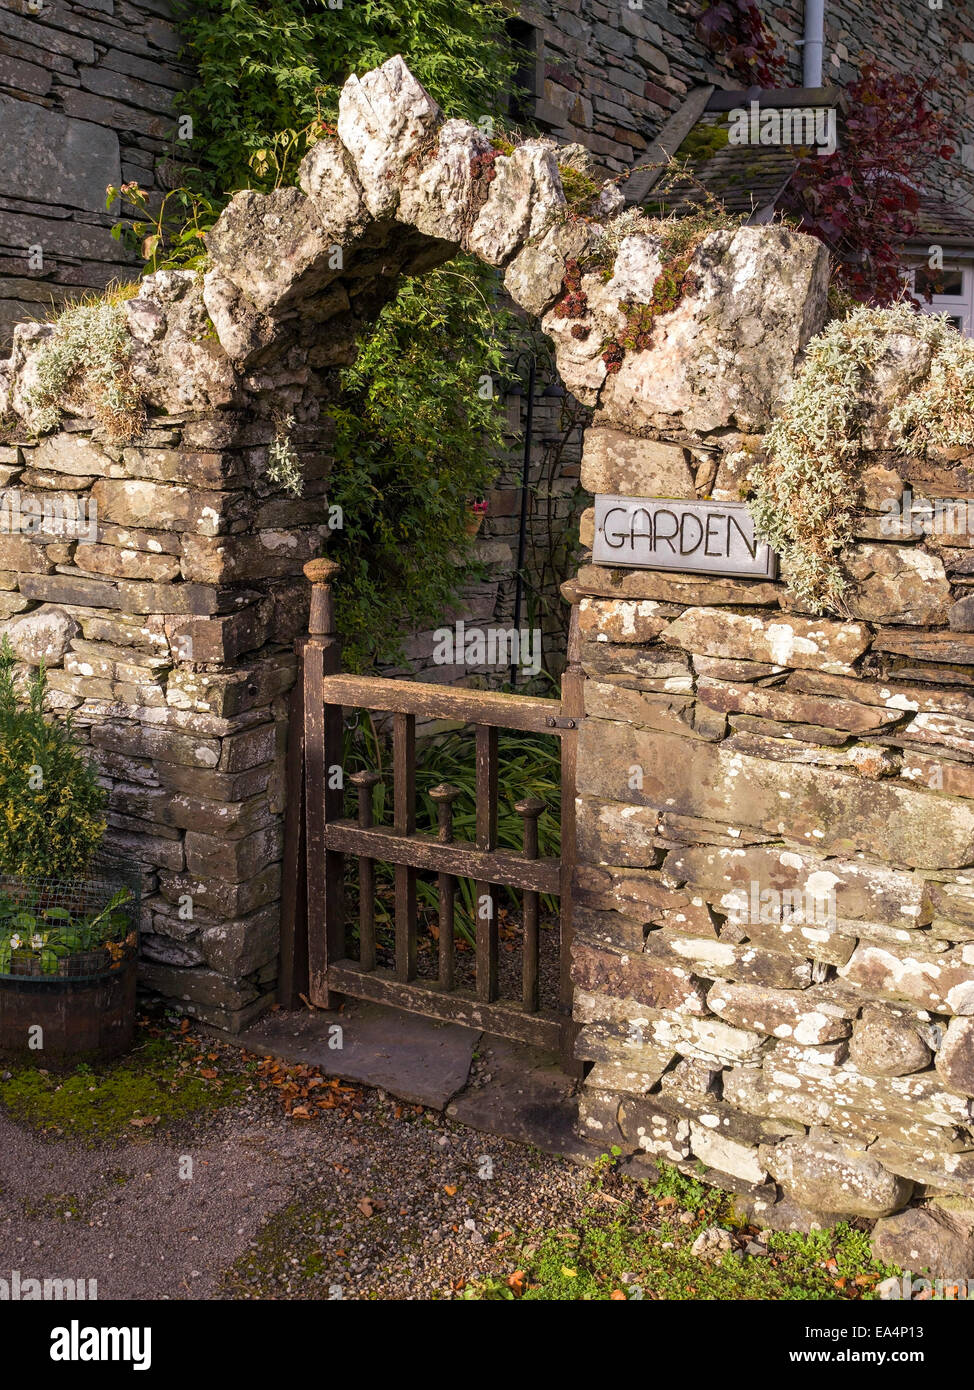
[660, 533]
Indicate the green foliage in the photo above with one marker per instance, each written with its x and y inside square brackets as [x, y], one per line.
[166, 233]
[418, 430]
[806, 487]
[284, 465]
[51, 806]
[33, 929]
[580, 189]
[85, 361]
[636, 1251]
[269, 74]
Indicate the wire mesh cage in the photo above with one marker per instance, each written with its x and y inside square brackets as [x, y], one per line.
[70, 929]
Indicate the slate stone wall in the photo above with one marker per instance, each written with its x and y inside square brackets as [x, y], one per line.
[88, 92]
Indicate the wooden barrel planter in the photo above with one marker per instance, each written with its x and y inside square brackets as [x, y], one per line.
[68, 954]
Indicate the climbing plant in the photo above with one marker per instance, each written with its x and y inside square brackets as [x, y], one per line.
[418, 431]
[269, 72]
[735, 30]
[862, 201]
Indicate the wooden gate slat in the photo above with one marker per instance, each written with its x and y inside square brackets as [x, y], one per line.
[404, 818]
[429, 701]
[462, 858]
[542, 1029]
[487, 897]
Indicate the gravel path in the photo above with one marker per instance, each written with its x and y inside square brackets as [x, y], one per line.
[370, 1199]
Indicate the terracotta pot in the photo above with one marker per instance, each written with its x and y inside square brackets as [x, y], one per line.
[474, 522]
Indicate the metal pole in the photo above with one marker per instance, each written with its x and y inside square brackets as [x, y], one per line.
[522, 538]
[814, 44]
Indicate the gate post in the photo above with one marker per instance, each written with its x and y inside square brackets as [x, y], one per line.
[325, 869]
[573, 708]
[293, 970]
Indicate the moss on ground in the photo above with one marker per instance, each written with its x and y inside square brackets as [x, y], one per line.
[286, 1259]
[158, 1084]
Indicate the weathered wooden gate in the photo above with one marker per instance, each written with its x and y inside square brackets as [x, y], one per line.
[319, 839]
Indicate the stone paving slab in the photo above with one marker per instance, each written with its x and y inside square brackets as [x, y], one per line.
[528, 1098]
[415, 1058]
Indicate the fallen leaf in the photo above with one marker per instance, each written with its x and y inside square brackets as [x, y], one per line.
[141, 1120]
[209, 1073]
[617, 1296]
[569, 1273]
[300, 1112]
[515, 1281]
[450, 1190]
[366, 1206]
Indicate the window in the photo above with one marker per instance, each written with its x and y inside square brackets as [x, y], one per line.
[951, 290]
[526, 42]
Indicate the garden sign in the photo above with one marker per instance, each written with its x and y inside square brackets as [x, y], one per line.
[661, 533]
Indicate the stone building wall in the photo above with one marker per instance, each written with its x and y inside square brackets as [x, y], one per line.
[88, 91]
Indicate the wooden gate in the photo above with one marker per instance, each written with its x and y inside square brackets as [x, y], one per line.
[319, 839]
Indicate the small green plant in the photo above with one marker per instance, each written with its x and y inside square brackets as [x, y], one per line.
[283, 463]
[806, 482]
[166, 233]
[84, 363]
[32, 929]
[51, 805]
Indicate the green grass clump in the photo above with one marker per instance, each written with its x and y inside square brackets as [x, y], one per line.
[636, 1249]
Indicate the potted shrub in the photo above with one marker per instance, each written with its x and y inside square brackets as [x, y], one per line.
[68, 913]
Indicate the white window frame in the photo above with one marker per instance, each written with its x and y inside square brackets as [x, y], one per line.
[957, 305]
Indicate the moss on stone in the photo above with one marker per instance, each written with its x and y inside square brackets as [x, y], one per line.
[580, 190]
[703, 142]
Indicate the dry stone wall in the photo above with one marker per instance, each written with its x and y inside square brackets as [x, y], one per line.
[774, 961]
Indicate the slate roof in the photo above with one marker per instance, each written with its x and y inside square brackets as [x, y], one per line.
[750, 179]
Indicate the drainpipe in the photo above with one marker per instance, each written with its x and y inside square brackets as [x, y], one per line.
[814, 43]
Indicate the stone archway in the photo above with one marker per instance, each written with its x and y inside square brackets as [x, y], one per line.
[171, 636]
